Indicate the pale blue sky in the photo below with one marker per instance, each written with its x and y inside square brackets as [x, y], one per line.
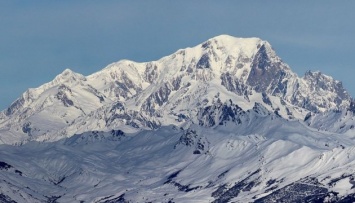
[39, 39]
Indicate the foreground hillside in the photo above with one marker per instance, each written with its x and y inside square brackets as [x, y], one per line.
[276, 161]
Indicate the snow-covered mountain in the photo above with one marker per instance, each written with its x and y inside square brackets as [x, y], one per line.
[171, 90]
[226, 120]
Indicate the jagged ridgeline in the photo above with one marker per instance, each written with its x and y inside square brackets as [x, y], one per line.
[224, 121]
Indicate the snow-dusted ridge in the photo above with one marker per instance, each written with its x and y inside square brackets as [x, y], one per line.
[224, 121]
